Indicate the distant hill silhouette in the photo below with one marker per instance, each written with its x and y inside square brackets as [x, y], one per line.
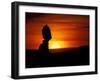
[58, 57]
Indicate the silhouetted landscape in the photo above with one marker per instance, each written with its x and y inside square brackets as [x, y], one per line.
[58, 57]
[56, 40]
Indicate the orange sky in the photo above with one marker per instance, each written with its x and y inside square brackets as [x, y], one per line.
[67, 30]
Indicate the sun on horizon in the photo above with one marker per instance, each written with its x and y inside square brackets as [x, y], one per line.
[57, 45]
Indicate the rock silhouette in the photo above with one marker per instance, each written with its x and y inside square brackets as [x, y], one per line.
[46, 33]
[66, 57]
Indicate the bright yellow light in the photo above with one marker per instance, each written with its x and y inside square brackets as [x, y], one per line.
[56, 44]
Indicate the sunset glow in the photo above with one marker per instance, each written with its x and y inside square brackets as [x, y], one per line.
[68, 31]
[56, 44]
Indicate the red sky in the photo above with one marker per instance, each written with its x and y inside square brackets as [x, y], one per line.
[67, 30]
